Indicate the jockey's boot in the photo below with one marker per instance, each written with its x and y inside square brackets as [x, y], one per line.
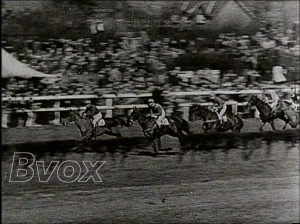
[273, 113]
[94, 130]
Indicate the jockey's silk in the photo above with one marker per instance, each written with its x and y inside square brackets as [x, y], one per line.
[161, 119]
[158, 110]
[222, 112]
[218, 102]
[97, 119]
[272, 95]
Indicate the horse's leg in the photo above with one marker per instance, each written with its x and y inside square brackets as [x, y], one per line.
[272, 125]
[235, 124]
[153, 142]
[116, 133]
[285, 124]
[262, 124]
[98, 132]
[158, 140]
[111, 133]
[185, 128]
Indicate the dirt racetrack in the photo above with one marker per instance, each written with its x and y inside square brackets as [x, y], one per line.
[253, 183]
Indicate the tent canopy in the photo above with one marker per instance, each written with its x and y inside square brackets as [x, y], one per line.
[11, 67]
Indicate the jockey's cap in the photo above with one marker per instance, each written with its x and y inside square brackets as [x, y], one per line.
[151, 101]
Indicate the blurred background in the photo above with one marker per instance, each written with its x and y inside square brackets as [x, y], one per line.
[102, 47]
[72, 49]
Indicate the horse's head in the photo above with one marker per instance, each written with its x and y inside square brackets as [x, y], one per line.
[133, 116]
[252, 102]
[195, 112]
[71, 117]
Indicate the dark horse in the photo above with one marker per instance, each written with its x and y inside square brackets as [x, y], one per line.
[211, 120]
[176, 127]
[284, 112]
[84, 125]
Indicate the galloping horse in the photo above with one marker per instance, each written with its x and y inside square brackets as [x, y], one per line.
[84, 125]
[176, 127]
[284, 112]
[211, 120]
[288, 114]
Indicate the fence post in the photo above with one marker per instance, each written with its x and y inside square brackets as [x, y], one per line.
[234, 108]
[186, 113]
[4, 118]
[30, 120]
[109, 103]
[56, 120]
[20, 122]
[169, 110]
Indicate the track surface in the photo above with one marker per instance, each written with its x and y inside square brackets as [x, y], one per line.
[256, 184]
[52, 133]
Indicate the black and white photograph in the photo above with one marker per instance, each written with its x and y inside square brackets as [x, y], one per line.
[150, 111]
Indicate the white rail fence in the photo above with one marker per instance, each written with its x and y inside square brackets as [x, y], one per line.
[109, 106]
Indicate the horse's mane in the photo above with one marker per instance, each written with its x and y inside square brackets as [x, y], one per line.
[261, 101]
[77, 113]
[204, 108]
[200, 107]
[135, 109]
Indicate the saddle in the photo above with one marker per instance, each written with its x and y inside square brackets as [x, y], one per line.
[101, 122]
[98, 120]
[165, 121]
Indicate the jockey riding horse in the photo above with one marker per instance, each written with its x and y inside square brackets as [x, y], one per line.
[92, 113]
[271, 97]
[219, 105]
[277, 104]
[292, 99]
[157, 112]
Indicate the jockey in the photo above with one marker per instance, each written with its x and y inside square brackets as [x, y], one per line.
[271, 97]
[292, 99]
[156, 111]
[92, 112]
[219, 104]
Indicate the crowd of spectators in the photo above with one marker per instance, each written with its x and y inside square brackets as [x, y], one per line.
[140, 65]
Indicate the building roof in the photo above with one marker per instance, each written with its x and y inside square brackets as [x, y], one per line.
[213, 8]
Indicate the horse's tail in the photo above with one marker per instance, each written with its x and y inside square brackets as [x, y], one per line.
[119, 122]
[183, 123]
[240, 123]
[185, 126]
